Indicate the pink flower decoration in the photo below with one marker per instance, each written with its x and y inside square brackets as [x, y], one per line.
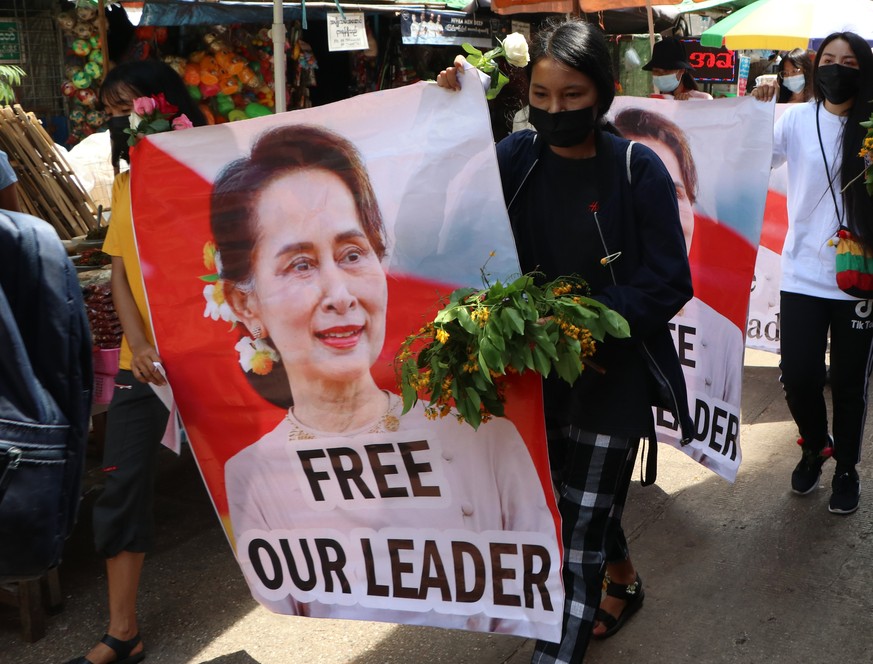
[182, 122]
[144, 105]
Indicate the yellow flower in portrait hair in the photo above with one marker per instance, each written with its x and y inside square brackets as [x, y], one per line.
[209, 256]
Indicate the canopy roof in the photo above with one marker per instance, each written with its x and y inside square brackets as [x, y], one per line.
[223, 12]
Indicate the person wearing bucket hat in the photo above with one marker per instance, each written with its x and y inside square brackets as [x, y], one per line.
[671, 72]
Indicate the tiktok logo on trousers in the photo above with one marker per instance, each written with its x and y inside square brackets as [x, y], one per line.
[863, 310]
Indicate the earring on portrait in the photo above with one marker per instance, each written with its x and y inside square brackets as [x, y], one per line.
[257, 331]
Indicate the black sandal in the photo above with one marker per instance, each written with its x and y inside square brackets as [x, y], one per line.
[632, 594]
[122, 651]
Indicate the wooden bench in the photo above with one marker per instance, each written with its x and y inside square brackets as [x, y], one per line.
[34, 598]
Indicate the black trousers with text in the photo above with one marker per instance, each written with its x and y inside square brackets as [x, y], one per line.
[804, 325]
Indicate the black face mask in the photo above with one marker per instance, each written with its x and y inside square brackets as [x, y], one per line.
[563, 129]
[118, 139]
[838, 83]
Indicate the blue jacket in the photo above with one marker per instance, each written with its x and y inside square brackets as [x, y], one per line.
[639, 217]
[45, 395]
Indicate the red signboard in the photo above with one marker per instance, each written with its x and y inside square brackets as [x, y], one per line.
[717, 65]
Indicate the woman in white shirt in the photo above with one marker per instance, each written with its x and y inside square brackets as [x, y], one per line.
[820, 140]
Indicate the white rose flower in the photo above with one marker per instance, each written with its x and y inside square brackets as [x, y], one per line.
[135, 121]
[515, 47]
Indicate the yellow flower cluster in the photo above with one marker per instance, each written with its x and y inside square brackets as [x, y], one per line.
[441, 408]
[421, 380]
[866, 147]
[582, 335]
[562, 289]
[472, 363]
[587, 344]
[480, 316]
[442, 336]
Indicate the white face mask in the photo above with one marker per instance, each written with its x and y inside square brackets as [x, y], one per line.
[666, 83]
[794, 83]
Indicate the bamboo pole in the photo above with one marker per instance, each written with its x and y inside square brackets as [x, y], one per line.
[48, 187]
[279, 56]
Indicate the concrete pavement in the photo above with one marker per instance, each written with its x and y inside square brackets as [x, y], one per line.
[746, 573]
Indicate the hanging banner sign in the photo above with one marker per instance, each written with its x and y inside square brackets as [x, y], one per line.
[718, 154]
[285, 260]
[437, 28]
[346, 34]
[10, 43]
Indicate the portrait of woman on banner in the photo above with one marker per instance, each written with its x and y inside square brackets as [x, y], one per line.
[711, 345]
[300, 246]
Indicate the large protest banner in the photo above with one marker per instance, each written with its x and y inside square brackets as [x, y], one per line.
[762, 332]
[718, 154]
[285, 259]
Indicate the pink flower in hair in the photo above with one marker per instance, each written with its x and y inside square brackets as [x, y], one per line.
[144, 105]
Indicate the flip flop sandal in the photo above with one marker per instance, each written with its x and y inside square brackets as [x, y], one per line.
[632, 594]
[122, 651]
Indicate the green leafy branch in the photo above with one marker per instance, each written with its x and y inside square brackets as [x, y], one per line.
[460, 360]
[10, 76]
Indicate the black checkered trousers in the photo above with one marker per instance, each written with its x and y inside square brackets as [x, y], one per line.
[592, 473]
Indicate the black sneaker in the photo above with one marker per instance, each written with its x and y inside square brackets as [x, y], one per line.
[806, 474]
[846, 489]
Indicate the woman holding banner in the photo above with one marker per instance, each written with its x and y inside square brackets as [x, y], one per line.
[123, 519]
[345, 479]
[820, 142]
[582, 200]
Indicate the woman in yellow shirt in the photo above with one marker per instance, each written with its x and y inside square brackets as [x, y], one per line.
[123, 519]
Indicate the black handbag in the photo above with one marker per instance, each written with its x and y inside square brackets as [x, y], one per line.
[45, 395]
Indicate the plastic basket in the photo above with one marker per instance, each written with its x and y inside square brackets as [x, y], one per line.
[104, 386]
[106, 361]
